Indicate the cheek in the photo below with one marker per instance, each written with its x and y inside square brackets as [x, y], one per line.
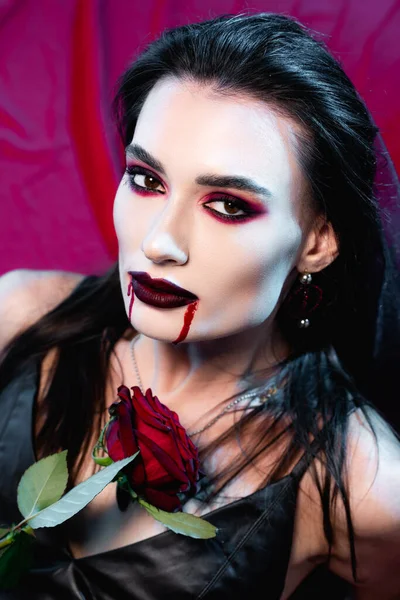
[246, 276]
[119, 209]
[269, 270]
[130, 219]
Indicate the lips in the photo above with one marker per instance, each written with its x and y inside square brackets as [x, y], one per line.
[159, 292]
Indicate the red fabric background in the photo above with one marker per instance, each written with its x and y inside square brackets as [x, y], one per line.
[60, 159]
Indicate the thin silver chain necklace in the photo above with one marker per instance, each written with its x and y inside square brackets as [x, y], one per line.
[263, 396]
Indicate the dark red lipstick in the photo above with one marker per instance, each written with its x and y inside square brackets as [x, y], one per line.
[159, 292]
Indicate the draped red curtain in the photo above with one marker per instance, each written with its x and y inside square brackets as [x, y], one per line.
[60, 158]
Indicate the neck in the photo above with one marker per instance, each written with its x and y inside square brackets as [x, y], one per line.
[224, 367]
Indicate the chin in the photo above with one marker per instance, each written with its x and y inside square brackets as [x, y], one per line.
[169, 332]
[161, 327]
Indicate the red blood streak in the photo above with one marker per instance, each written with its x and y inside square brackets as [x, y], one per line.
[132, 295]
[187, 321]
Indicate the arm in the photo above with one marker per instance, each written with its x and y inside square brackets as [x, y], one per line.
[26, 295]
[374, 484]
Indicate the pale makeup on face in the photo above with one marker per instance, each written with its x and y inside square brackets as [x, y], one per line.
[172, 226]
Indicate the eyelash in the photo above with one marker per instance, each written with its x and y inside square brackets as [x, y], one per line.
[131, 171]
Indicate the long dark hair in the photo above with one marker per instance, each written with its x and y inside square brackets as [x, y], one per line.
[346, 359]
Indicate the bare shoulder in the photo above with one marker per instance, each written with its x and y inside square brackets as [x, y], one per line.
[373, 481]
[373, 471]
[27, 294]
[372, 477]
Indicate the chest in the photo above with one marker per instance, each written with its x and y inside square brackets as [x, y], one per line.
[267, 531]
[252, 551]
[258, 525]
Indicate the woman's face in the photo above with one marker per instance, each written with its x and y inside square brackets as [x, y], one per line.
[211, 202]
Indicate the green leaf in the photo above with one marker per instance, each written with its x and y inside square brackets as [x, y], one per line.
[181, 522]
[42, 484]
[78, 497]
[15, 561]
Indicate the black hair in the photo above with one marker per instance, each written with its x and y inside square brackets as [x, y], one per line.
[345, 360]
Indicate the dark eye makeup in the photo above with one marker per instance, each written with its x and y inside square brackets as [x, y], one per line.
[232, 203]
[247, 211]
[132, 171]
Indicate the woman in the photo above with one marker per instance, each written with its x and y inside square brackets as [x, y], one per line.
[249, 192]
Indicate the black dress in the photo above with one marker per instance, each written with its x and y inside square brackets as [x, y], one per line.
[248, 558]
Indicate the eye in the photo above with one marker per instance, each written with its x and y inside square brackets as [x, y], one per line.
[146, 181]
[142, 180]
[229, 207]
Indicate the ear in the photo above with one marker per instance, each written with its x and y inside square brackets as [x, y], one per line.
[320, 249]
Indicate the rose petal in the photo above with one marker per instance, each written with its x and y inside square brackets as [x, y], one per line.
[170, 486]
[126, 436]
[145, 411]
[113, 443]
[124, 393]
[162, 457]
[167, 484]
[159, 407]
[163, 501]
[164, 440]
[186, 447]
[183, 449]
[138, 474]
[153, 401]
[153, 468]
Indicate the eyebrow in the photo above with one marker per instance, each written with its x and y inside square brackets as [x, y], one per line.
[137, 152]
[234, 181]
[245, 184]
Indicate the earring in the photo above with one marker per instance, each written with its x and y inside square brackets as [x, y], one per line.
[304, 299]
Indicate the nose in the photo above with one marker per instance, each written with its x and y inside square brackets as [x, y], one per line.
[166, 241]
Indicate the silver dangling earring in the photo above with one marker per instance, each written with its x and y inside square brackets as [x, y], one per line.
[305, 280]
[303, 299]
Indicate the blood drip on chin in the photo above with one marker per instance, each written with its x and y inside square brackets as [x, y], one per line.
[132, 295]
[187, 321]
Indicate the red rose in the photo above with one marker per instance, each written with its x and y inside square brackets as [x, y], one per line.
[168, 461]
